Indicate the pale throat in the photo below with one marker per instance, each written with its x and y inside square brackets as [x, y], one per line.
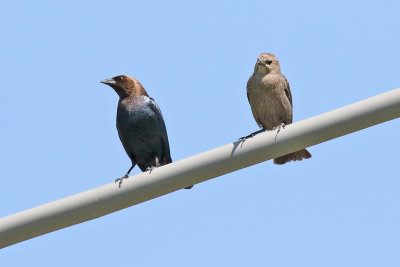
[261, 69]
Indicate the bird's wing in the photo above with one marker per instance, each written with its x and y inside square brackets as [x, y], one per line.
[163, 130]
[247, 87]
[289, 96]
[287, 91]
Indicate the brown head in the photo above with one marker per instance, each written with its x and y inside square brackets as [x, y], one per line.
[267, 63]
[125, 86]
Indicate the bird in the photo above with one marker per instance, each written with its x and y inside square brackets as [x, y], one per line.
[270, 99]
[140, 124]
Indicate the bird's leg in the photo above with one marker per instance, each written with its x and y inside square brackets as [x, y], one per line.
[157, 159]
[124, 177]
[252, 134]
[157, 162]
[278, 128]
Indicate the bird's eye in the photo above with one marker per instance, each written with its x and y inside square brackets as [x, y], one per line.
[119, 78]
[268, 62]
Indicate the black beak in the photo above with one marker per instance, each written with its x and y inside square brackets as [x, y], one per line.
[109, 81]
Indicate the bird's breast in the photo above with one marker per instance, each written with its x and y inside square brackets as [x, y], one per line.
[269, 104]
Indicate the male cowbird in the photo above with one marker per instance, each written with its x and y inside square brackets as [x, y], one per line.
[270, 99]
[140, 125]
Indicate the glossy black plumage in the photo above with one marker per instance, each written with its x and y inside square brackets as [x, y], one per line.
[140, 125]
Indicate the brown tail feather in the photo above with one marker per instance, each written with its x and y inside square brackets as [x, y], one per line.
[298, 155]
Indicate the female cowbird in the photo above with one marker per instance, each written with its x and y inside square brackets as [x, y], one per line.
[270, 99]
[140, 125]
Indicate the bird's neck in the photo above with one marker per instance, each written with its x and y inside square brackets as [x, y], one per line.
[121, 92]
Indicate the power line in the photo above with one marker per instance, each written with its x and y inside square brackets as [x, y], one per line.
[199, 168]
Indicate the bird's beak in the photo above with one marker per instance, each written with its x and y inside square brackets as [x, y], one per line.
[109, 81]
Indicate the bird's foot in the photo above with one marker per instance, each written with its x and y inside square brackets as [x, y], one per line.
[151, 168]
[119, 180]
[251, 135]
[243, 138]
[278, 128]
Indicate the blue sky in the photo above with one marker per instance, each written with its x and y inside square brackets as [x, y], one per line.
[58, 136]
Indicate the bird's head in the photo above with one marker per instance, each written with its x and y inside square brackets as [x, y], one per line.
[125, 86]
[267, 63]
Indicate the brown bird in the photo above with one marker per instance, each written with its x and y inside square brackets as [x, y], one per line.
[270, 99]
[140, 125]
